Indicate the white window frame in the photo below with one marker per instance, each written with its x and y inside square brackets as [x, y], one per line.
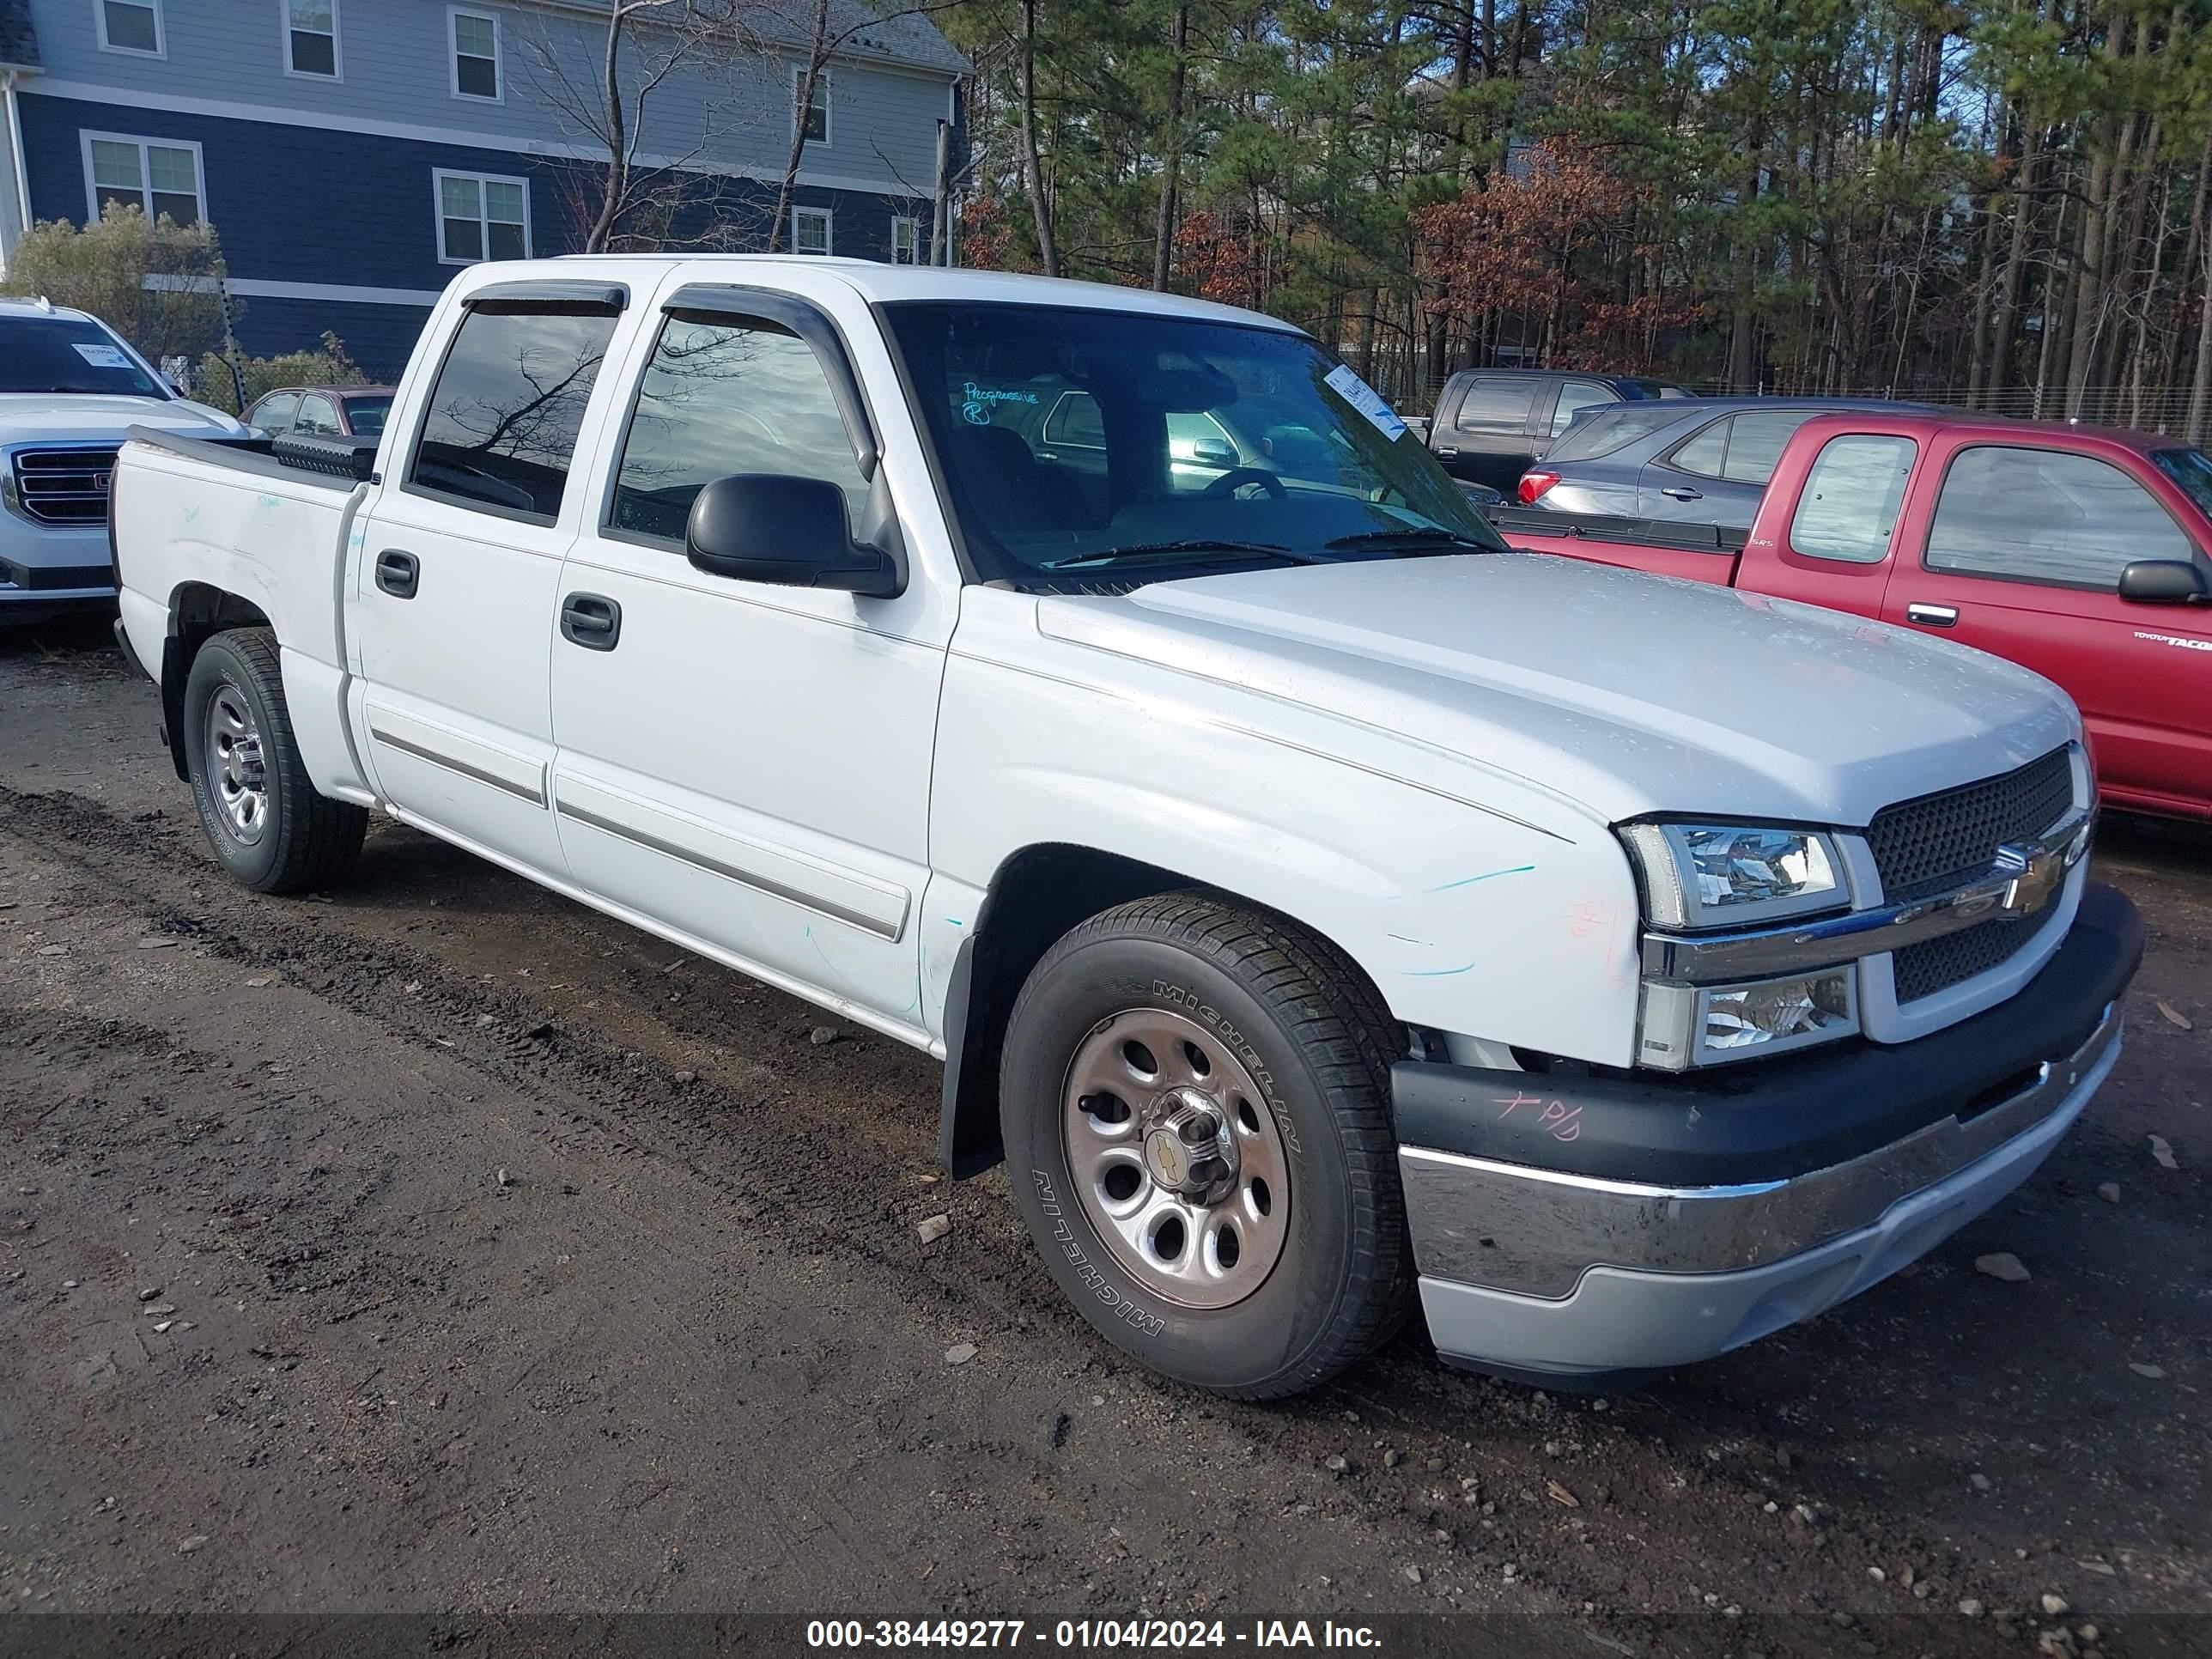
[822, 85]
[828, 219]
[84, 140]
[453, 54]
[437, 177]
[337, 44]
[913, 223]
[161, 29]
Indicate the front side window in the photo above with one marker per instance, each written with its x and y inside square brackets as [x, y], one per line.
[905, 240]
[509, 402]
[131, 25]
[1496, 403]
[1849, 507]
[69, 354]
[1071, 446]
[482, 217]
[310, 37]
[809, 230]
[723, 395]
[815, 116]
[476, 55]
[275, 414]
[1578, 394]
[159, 179]
[2041, 515]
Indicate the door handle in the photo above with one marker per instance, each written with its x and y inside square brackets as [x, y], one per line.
[398, 572]
[1932, 616]
[1448, 452]
[592, 621]
[1682, 493]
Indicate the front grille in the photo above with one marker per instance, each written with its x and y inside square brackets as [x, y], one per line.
[1937, 964]
[65, 486]
[1941, 841]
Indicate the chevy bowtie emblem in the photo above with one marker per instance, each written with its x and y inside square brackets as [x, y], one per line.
[2036, 873]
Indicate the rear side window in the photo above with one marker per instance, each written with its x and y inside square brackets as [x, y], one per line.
[1494, 403]
[1611, 429]
[2190, 469]
[275, 415]
[1075, 422]
[509, 401]
[725, 394]
[1848, 510]
[1579, 394]
[1706, 453]
[2041, 515]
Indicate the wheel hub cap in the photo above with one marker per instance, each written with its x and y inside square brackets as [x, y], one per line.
[237, 777]
[1176, 1157]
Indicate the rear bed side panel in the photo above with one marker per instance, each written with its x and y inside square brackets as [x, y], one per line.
[1698, 566]
[275, 542]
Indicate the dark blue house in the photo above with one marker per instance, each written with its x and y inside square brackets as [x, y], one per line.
[352, 153]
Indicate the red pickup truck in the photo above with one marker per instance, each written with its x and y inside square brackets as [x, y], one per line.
[2078, 552]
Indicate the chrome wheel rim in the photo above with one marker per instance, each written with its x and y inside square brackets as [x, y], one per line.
[237, 780]
[1176, 1158]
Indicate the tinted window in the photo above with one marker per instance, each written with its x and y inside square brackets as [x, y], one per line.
[1851, 495]
[2190, 469]
[318, 416]
[2044, 516]
[1494, 403]
[1075, 422]
[1706, 453]
[275, 413]
[509, 402]
[1578, 394]
[1611, 429]
[1756, 442]
[368, 415]
[725, 395]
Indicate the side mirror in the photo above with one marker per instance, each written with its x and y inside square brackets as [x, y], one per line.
[770, 527]
[1214, 452]
[2164, 581]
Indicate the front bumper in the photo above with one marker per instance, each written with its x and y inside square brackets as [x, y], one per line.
[47, 571]
[1567, 1227]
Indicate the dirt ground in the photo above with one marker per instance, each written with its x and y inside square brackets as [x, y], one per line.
[438, 1246]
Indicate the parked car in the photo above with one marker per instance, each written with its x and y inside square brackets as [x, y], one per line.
[1489, 423]
[322, 411]
[1316, 906]
[1706, 461]
[70, 388]
[2077, 551]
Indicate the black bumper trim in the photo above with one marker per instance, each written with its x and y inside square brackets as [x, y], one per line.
[1766, 1121]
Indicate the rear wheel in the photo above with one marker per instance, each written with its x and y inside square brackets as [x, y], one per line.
[1194, 1101]
[264, 819]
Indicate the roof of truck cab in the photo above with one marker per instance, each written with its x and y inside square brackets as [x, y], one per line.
[1974, 423]
[889, 284]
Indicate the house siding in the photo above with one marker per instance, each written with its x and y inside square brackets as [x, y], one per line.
[225, 56]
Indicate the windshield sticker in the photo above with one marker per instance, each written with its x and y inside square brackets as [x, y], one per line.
[977, 402]
[1365, 399]
[101, 357]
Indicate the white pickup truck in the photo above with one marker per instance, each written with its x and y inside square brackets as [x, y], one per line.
[1322, 908]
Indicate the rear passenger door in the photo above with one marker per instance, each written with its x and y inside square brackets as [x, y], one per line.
[452, 618]
[2022, 557]
[1719, 473]
[1490, 439]
[744, 762]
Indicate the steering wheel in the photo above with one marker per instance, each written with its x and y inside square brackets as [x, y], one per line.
[1237, 476]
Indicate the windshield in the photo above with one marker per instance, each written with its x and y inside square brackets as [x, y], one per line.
[1081, 442]
[366, 416]
[69, 354]
[2190, 469]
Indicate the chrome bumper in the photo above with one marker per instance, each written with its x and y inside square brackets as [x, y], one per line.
[1537, 1232]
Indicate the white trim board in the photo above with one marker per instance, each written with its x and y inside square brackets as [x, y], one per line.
[222, 110]
[254, 288]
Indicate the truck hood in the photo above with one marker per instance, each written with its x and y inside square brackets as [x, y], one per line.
[58, 417]
[1621, 692]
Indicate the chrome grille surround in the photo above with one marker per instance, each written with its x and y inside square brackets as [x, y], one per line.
[62, 485]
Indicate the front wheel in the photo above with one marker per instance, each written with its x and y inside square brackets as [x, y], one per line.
[1195, 1104]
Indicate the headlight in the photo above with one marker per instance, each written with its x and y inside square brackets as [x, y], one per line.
[1728, 875]
[1685, 1025]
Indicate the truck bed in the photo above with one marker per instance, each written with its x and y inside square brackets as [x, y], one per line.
[1667, 547]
